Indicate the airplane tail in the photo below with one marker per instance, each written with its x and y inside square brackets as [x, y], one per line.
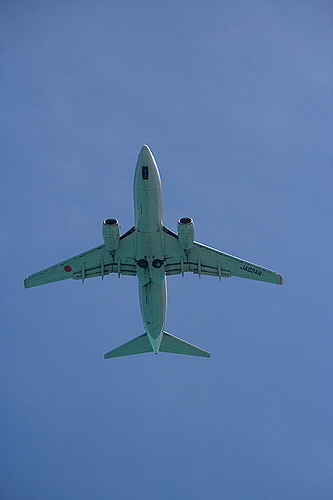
[169, 343]
[135, 346]
[174, 344]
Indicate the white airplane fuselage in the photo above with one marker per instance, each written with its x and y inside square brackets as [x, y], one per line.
[149, 246]
[150, 251]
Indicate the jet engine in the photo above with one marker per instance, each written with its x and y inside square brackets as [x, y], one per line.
[186, 233]
[111, 232]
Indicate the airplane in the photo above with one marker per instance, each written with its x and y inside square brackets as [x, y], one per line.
[151, 251]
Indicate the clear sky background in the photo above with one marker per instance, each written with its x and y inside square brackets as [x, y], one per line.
[234, 99]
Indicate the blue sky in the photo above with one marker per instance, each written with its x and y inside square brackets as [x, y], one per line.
[235, 100]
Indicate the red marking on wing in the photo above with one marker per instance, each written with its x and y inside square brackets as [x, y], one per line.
[68, 269]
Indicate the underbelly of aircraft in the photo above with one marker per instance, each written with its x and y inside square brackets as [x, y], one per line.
[153, 306]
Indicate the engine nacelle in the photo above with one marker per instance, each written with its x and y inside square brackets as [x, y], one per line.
[111, 232]
[186, 233]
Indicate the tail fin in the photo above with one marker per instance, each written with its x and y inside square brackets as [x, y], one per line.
[136, 346]
[174, 344]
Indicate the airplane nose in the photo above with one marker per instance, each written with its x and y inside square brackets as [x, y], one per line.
[146, 171]
[145, 154]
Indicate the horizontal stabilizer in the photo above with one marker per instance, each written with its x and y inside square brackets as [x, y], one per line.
[174, 344]
[136, 346]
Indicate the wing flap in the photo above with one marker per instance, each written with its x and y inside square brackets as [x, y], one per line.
[84, 263]
[193, 267]
[233, 265]
[95, 262]
[205, 260]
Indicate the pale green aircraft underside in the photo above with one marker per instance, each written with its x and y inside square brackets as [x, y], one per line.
[151, 252]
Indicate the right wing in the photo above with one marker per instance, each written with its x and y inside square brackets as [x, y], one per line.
[95, 262]
[202, 259]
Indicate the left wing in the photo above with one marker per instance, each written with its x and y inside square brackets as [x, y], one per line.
[205, 260]
[95, 262]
